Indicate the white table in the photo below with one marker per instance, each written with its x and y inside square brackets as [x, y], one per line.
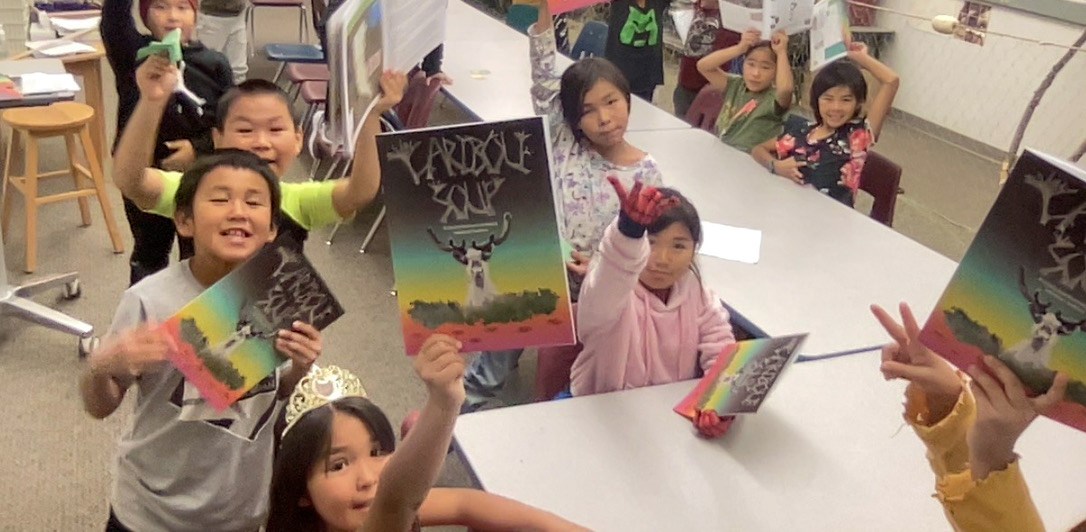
[489, 64]
[828, 451]
[822, 264]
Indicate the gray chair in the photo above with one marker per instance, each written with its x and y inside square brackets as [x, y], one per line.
[14, 301]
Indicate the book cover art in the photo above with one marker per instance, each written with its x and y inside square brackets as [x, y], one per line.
[767, 16]
[741, 377]
[475, 242]
[1019, 293]
[829, 33]
[224, 340]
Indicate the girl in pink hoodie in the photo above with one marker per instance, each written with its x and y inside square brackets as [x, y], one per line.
[643, 315]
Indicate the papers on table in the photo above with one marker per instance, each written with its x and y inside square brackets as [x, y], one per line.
[58, 48]
[731, 243]
[65, 25]
[38, 83]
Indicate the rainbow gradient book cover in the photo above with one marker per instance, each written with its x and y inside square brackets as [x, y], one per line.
[224, 340]
[475, 243]
[742, 376]
[1019, 293]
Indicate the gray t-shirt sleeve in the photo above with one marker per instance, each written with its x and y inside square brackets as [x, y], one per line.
[130, 313]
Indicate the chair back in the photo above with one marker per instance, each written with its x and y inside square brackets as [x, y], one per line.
[591, 42]
[521, 16]
[552, 370]
[705, 109]
[881, 178]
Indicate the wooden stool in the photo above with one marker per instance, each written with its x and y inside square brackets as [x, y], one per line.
[64, 119]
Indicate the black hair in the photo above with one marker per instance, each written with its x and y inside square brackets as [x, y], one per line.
[305, 446]
[840, 73]
[190, 180]
[760, 45]
[578, 79]
[249, 87]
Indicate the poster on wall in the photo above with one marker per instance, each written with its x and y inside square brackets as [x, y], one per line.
[973, 23]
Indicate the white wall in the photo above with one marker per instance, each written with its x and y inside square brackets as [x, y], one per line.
[982, 91]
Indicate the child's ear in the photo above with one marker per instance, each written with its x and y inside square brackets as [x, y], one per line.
[304, 502]
[184, 224]
[216, 137]
[273, 233]
[299, 140]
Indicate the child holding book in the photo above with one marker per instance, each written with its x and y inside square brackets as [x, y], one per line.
[338, 468]
[635, 42]
[587, 108]
[185, 128]
[644, 317]
[970, 426]
[829, 153]
[180, 464]
[755, 103]
[254, 116]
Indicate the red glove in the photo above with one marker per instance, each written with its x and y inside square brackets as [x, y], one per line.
[710, 425]
[642, 205]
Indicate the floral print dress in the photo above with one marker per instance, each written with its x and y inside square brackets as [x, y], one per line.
[585, 201]
[834, 164]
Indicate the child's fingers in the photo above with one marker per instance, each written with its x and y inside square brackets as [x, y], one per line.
[1054, 394]
[436, 339]
[617, 185]
[895, 330]
[989, 388]
[912, 328]
[893, 369]
[307, 330]
[1015, 392]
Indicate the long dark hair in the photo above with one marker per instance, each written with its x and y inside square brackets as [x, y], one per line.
[840, 73]
[578, 79]
[304, 447]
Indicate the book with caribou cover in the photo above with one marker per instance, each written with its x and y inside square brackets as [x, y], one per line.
[475, 243]
[224, 340]
[1019, 293]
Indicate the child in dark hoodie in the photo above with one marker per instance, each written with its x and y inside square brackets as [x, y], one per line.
[186, 125]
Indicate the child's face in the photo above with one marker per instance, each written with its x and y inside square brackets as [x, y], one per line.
[837, 106]
[343, 485]
[261, 124]
[604, 115]
[672, 252]
[164, 16]
[759, 69]
[231, 215]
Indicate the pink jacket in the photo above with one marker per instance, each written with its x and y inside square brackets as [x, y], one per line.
[631, 338]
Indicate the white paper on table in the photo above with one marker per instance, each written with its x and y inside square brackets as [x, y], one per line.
[58, 48]
[37, 83]
[72, 25]
[732, 243]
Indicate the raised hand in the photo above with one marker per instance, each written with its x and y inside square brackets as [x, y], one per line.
[779, 43]
[441, 366]
[157, 78]
[856, 50]
[302, 344]
[642, 204]
[132, 353]
[1004, 411]
[908, 359]
[393, 85]
[750, 38]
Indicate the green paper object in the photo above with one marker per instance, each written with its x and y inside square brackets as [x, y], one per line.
[169, 46]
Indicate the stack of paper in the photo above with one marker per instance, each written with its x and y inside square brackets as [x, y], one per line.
[38, 83]
[58, 48]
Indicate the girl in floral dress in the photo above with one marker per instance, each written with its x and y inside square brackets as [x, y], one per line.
[829, 152]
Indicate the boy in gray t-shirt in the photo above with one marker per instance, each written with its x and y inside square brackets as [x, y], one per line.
[180, 464]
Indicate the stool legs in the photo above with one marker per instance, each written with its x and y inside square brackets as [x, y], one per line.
[100, 188]
[5, 211]
[77, 174]
[30, 195]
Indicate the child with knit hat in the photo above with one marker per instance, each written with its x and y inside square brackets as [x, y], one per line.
[186, 125]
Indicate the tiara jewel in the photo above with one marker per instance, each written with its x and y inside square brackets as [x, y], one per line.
[319, 387]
